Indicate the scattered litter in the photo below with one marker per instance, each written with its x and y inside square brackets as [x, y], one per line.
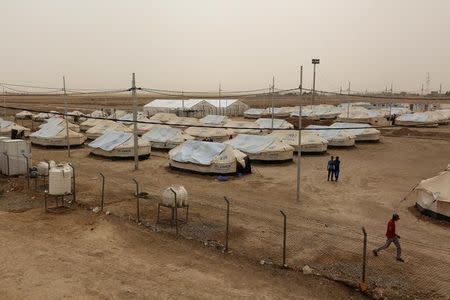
[307, 270]
[378, 293]
[222, 178]
[108, 212]
[96, 210]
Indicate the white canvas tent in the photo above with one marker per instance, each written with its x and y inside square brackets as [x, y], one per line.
[217, 120]
[245, 127]
[56, 136]
[163, 117]
[278, 112]
[335, 137]
[103, 126]
[262, 148]
[209, 134]
[361, 115]
[117, 114]
[98, 114]
[184, 122]
[321, 111]
[254, 113]
[191, 107]
[53, 121]
[40, 117]
[228, 107]
[89, 123]
[310, 142]
[24, 115]
[432, 196]
[119, 144]
[266, 124]
[207, 158]
[418, 119]
[165, 137]
[7, 126]
[363, 132]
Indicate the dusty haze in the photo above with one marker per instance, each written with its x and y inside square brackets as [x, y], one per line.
[194, 45]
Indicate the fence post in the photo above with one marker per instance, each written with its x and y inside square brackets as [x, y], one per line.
[364, 256]
[176, 208]
[103, 191]
[284, 238]
[73, 182]
[227, 224]
[28, 170]
[137, 200]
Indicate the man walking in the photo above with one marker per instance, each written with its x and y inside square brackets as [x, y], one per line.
[337, 165]
[391, 237]
[330, 168]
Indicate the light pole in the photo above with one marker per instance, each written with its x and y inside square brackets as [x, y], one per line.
[315, 61]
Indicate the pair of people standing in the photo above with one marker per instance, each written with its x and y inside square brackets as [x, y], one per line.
[333, 168]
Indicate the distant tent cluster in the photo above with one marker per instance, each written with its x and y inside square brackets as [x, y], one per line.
[196, 107]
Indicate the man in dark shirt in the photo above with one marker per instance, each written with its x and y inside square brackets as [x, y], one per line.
[330, 168]
[391, 237]
[337, 164]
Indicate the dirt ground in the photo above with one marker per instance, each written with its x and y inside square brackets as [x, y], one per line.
[83, 256]
[60, 256]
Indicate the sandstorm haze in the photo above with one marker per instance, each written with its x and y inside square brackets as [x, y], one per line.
[194, 45]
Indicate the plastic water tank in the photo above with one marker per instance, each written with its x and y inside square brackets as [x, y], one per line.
[169, 197]
[43, 167]
[60, 180]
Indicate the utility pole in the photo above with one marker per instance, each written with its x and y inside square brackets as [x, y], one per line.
[440, 89]
[428, 84]
[4, 104]
[220, 93]
[315, 61]
[340, 90]
[299, 151]
[65, 115]
[348, 103]
[392, 96]
[133, 95]
[422, 90]
[273, 92]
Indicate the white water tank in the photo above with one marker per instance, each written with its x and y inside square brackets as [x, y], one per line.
[12, 160]
[169, 197]
[43, 167]
[2, 160]
[60, 180]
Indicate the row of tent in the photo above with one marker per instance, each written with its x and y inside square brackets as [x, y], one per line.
[53, 132]
[354, 113]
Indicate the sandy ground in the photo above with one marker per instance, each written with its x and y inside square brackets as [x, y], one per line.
[83, 256]
[323, 229]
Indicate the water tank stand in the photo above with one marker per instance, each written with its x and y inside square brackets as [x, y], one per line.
[174, 213]
[61, 204]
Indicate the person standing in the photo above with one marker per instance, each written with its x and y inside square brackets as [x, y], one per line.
[337, 166]
[330, 168]
[391, 237]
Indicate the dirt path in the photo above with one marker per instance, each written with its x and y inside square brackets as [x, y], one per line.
[82, 255]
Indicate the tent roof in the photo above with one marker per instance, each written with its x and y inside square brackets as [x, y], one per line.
[438, 185]
[197, 152]
[252, 143]
[110, 140]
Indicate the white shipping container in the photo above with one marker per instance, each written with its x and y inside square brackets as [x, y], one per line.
[12, 160]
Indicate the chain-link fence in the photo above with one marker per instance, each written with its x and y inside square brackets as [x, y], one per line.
[311, 246]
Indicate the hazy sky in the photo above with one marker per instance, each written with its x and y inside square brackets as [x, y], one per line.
[197, 44]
